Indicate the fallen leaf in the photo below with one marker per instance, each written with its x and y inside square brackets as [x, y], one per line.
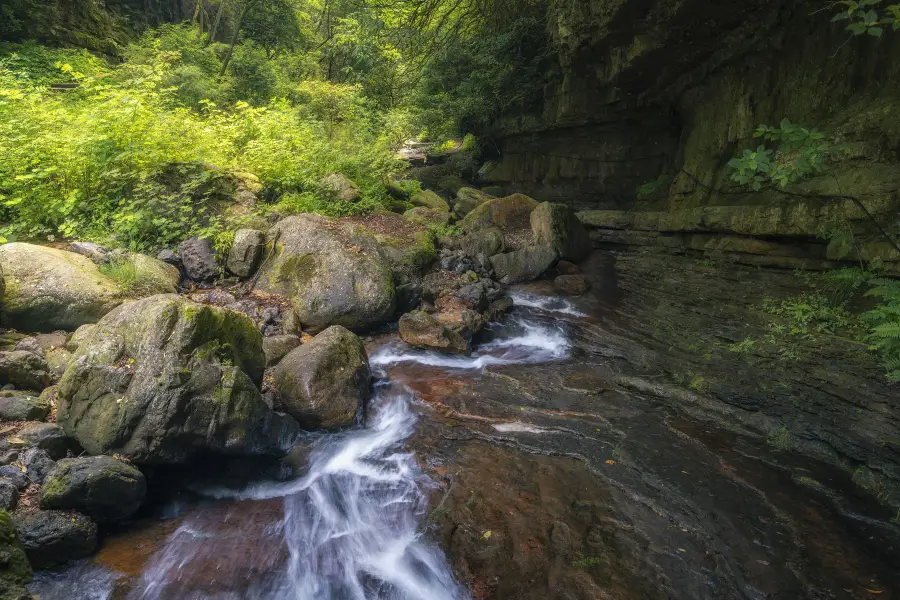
[487, 534]
[610, 462]
[874, 591]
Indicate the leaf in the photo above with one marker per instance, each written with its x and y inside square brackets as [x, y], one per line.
[487, 535]
[875, 31]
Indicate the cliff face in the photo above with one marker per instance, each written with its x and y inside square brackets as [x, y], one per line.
[97, 25]
[661, 94]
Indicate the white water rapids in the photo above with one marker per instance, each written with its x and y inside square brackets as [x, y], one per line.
[352, 525]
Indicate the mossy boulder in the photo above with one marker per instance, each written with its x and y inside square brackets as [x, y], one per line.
[163, 380]
[427, 216]
[24, 370]
[467, 200]
[484, 241]
[333, 273]
[324, 382]
[556, 226]
[18, 406]
[523, 265]
[49, 289]
[52, 537]
[428, 199]
[100, 487]
[340, 188]
[151, 276]
[511, 212]
[15, 570]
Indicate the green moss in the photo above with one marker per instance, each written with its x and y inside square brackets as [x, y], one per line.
[423, 251]
[16, 568]
[297, 270]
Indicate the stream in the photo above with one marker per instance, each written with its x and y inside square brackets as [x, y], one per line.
[351, 527]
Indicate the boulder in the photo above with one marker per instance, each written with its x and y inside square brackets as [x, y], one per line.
[246, 252]
[451, 184]
[277, 347]
[556, 226]
[49, 289]
[152, 276]
[163, 380]
[565, 267]
[325, 381]
[340, 188]
[38, 464]
[95, 252]
[511, 212]
[15, 570]
[428, 199]
[17, 406]
[572, 285]
[170, 258]
[446, 331]
[333, 274]
[100, 487]
[49, 437]
[52, 537]
[24, 370]
[523, 265]
[427, 216]
[484, 241]
[15, 476]
[198, 259]
[467, 199]
[81, 334]
[9, 496]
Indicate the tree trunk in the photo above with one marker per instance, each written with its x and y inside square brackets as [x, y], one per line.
[234, 38]
[215, 27]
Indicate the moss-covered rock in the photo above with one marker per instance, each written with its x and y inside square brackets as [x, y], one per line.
[427, 216]
[556, 226]
[17, 406]
[163, 379]
[484, 241]
[52, 537]
[100, 487]
[429, 199]
[511, 212]
[333, 273]
[324, 382]
[467, 199]
[49, 289]
[24, 370]
[15, 570]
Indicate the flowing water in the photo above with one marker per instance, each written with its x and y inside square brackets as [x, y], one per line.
[351, 528]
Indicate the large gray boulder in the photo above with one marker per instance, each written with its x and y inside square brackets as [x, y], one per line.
[246, 252]
[467, 200]
[52, 537]
[49, 289]
[325, 381]
[556, 226]
[509, 213]
[163, 380]
[333, 274]
[523, 265]
[101, 487]
[340, 188]
[24, 370]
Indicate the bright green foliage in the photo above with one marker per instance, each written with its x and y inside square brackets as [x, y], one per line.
[884, 323]
[799, 152]
[868, 17]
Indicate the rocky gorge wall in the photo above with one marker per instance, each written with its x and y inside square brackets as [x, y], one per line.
[651, 99]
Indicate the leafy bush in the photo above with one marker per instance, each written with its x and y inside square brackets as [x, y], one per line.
[884, 324]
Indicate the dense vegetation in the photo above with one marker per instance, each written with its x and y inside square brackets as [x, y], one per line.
[288, 91]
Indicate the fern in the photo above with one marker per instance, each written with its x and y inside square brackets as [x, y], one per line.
[884, 324]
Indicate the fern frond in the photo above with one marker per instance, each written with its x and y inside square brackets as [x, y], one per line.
[887, 331]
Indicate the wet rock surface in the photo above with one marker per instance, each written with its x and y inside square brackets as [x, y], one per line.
[52, 537]
[100, 487]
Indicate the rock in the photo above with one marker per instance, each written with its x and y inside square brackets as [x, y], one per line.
[428, 199]
[100, 487]
[484, 241]
[15, 476]
[49, 437]
[170, 258]
[9, 496]
[409, 296]
[473, 295]
[277, 347]
[58, 359]
[499, 307]
[38, 464]
[8, 457]
[49, 289]
[17, 406]
[246, 252]
[325, 381]
[333, 274]
[24, 370]
[95, 252]
[467, 199]
[523, 265]
[572, 285]
[15, 570]
[564, 267]
[80, 335]
[152, 276]
[511, 212]
[451, 184]
[163, 380]
[31, 344]
[341, 188]
[198, 260]
[557, 227]
[423, 330]
[52, 537]
[427, 216]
